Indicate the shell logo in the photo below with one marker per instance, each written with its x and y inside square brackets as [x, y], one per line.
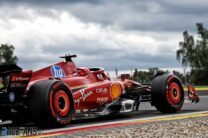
[115, 90]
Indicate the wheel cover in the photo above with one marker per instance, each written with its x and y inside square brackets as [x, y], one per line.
[62, 103]
[174, 93]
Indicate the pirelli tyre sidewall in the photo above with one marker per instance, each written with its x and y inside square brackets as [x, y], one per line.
[50, 102]
[167, 93]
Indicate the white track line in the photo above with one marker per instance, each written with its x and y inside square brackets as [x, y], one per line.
[121, 121]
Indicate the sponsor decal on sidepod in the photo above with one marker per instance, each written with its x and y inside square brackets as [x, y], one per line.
[57, 71]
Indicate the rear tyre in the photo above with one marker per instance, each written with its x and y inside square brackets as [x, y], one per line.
[50, 103]
[167, 93]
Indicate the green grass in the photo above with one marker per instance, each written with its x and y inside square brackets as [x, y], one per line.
[206, 86]
[1, 85]
[198, 87]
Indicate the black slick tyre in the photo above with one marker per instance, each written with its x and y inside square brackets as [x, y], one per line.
[167, 93]
[50, 102]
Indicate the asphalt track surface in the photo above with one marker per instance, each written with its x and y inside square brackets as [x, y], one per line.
[146, 114]
[145, 111]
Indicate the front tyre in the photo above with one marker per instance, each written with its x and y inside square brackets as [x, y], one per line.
[167, 93]
[50, 103]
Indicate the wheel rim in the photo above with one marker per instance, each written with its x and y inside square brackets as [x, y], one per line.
[174, 93]
[62, 104]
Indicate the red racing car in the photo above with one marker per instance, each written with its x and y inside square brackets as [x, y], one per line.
[61, 92]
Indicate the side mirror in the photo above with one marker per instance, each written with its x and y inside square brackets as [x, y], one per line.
[125, 76]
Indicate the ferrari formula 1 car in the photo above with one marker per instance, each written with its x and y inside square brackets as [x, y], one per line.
[61, 92]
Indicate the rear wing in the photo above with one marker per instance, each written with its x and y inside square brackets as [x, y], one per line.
[13, 78]
[8, 69]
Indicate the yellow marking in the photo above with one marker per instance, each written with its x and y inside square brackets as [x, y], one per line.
[81, 86]
[147, 120]
[87, 85]
[198, 89]
[169, 118]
